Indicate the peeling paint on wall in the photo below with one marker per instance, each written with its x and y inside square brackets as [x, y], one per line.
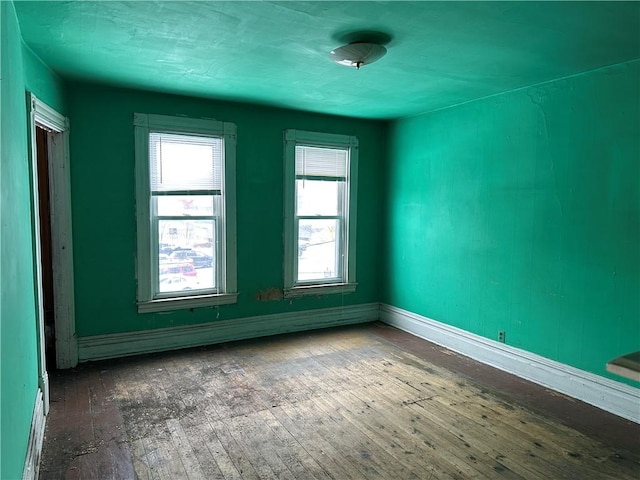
[269, 294]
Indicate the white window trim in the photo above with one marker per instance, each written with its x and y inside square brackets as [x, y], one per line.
[291, 138]
[144, 124]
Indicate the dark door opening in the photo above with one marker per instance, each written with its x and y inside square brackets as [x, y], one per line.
[45, 247]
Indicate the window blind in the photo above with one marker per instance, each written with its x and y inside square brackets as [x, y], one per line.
[185, 162]
[321, 162]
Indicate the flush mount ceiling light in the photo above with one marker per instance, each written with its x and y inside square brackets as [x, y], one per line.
[357, 54]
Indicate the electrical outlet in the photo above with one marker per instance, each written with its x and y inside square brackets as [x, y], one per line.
[501, 336]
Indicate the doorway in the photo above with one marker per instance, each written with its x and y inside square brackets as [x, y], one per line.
[46, 262]
[52, 246]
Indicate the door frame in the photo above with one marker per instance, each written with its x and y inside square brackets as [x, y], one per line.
[57, 127]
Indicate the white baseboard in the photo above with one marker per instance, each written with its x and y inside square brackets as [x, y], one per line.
[36, 436]
[43, 383]
[614, 397]
[122, 344]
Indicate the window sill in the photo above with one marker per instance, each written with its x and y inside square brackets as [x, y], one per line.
[181, 303]
[303, 291]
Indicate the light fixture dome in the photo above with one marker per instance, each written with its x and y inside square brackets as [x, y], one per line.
[357, 54]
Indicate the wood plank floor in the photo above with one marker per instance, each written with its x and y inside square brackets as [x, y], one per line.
[365, 402]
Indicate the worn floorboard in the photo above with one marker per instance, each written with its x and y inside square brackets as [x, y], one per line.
[365, 402]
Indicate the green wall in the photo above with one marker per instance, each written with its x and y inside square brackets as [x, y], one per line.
[104, 229]
[520, 212]
[18, 334]
[19, 367]
[42, 81]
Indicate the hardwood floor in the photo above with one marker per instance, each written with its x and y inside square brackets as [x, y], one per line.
[365, 402]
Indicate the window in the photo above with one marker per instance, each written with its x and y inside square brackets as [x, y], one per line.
[320, 213]
[185, 206]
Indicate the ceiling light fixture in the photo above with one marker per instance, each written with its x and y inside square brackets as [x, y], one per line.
[357, 54]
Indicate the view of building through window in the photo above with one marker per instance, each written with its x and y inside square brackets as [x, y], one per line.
[187, 207]
[186, 249]
[319, 233]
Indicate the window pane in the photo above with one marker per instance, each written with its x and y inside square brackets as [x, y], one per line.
[319, 245]
[317, 197]
[186, 255]
[186, 205]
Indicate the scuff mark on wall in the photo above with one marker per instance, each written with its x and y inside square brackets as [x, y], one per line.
[269, 294]
[538, 97]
